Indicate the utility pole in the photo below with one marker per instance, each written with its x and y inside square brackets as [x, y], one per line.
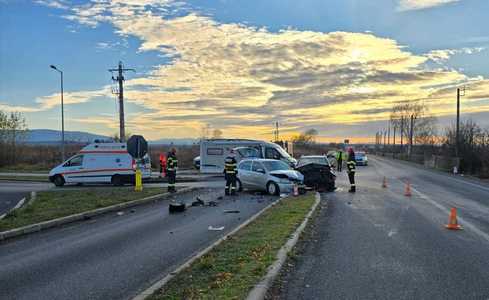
[457, 137]
[389, 134]
[394, 136]
[402, 132]
[276, 132]
[411, 136]
[120, 79]
[62, 115]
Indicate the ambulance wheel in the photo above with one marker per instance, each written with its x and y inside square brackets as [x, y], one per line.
[117, 180]
[59, 180]
[272, 188]
[239, 185]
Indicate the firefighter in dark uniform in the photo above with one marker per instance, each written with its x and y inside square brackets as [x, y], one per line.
[350, 165]
[171, 169]
[230, 172]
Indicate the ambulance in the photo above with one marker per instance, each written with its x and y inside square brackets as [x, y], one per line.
[100, 163]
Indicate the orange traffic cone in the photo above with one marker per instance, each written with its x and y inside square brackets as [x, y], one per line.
[384, 183]
[452, 220]
[407, 189]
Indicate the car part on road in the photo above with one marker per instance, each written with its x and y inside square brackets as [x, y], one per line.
[231, 211]
[176, 207]
[212, 228]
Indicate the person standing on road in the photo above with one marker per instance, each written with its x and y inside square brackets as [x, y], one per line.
[350, 165]
[171, 169]
[230, 172]
[339, 160]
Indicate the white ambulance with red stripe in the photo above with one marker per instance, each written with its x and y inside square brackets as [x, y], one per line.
[100, 163]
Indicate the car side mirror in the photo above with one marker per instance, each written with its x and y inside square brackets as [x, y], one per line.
[260, 171]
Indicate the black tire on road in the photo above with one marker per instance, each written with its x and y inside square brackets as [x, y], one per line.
[59, 180]
[272, 188]
[117, 180]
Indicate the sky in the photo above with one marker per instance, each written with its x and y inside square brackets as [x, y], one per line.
[338, 66]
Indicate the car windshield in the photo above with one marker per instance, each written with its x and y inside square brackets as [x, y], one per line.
[275, 165]
[283, 153]
[311, 160]
[359, 154]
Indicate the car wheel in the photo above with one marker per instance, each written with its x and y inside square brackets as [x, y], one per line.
[59, 180]
[117, 180]
[239, 185]
[272, 188]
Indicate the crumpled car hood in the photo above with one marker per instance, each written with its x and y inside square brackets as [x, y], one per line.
[291, 174]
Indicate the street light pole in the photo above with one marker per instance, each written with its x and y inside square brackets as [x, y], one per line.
[62, 115]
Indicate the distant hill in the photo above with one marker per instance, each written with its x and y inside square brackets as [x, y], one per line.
[48, 136]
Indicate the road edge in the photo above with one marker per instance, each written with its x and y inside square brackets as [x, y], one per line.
[17, 206]
[161, 283]
[261, 289]
[16, 232]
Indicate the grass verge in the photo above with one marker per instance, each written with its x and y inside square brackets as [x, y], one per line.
[231, 270]
[56, 204]
[24, 178]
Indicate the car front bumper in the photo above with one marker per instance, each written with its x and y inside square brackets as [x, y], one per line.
[288, 188]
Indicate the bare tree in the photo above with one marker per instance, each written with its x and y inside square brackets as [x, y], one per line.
[216, 134]
[306, 138]
[425, 125]
[13, 129]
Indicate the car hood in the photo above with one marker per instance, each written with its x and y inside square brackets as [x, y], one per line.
[291, 174]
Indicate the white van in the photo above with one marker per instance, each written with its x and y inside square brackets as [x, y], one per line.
[100, 163]
[214, 151]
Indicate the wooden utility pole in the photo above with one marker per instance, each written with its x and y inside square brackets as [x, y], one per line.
[120, 92]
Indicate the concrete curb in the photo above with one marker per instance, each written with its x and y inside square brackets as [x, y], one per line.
[82, 216]
[160, 283]
[260, 290]
[17, 206]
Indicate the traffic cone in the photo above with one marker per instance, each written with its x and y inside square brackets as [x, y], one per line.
[384, 183]
[452, 220]
[407, 189]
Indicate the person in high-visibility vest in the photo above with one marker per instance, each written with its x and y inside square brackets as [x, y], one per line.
[171, 169]
[339, 160]
[230, 172]
[350, 165]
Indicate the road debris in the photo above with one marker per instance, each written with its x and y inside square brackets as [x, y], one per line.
[120, 213]
[213, 203]
[212, 228]
[232, 211]
[175, 207]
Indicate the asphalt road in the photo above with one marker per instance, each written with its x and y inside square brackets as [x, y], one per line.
[12, 192]
[115, 257]
[379, 244]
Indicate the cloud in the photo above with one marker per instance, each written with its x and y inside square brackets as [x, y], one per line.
[405, 5]
[48, 102]
[242, 79]
[60, 4]
[15, 108]
[443, 55]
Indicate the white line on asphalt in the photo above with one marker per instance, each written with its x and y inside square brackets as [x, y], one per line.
[447, 211]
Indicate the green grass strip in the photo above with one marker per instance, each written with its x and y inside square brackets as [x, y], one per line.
[24, 178]
[56, 204]
[231, 270]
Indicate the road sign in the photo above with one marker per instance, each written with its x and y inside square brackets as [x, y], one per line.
[137, 146]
